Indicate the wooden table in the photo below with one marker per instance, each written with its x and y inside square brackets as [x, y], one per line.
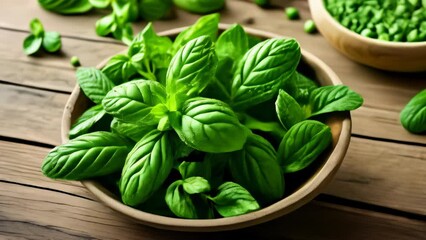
[378, 193]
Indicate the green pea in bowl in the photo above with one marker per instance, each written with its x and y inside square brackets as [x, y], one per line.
[301, 187]
[380, 54]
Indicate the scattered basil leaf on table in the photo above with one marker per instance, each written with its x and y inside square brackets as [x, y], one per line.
[413, 116]
[233, 200]
[302, 144]
[32, 44]
[50, 41]
[36, 28]
[93, 83]
[147, 166]
[87, 156]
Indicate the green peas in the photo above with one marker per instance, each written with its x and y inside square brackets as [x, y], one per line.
[292, 13]
[75, 62]
[310, 27]
[388, 20]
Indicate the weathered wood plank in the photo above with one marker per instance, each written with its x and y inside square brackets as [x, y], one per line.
[31, 114]
[27, 211]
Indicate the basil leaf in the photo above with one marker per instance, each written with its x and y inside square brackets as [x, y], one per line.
[87, 156]
[147, 166]
[118, 69]
[302, 144]
[255, 167]
[194, 185]
[288, 110]
[66, 6]
[105, 25]
[89, 118]
[299, 87]
[32, 44]
[152, 10]
[133, 131]
[100, 3]
[125, 10]
[263, 70]
[93, 83]
[333, 98]
[36, 28]
[123, 32]
[190, 71]
[136, 102]
[205, 25]
[193, 169]
[209, 125]
[184, 205]
[52, 41]
[200, 6]
[233, 200]
[413, 116]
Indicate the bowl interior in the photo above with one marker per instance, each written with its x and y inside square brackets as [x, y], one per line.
[301, 187]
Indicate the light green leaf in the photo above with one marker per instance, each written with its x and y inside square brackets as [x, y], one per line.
[413, 116]
[32, 44]
[36, 28]
[233, 200]
[93, 83]
[100, 3]
[302, 144]
[118, 70]
[87, 156]
[209, 125]
[52, 41]
[133, 131]
[105, 25]
[195, 185]
[288, 110]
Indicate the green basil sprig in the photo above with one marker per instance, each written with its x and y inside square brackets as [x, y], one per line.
[50, 41]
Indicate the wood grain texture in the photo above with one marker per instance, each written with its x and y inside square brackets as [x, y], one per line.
[25, 210]
[31, 114]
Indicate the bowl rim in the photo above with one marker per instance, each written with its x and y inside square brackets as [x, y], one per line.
[319, 5]
[300, 197]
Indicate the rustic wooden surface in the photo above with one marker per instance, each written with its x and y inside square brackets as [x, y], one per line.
[378, 193]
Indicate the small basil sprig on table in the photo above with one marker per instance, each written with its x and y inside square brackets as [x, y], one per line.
[413, 116]
[50, 41]
[87, 156]
[302, 144]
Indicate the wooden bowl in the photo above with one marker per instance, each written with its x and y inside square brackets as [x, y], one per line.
[307, 184]
[385, 55]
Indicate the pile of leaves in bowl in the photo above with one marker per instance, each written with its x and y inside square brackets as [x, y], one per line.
[204, 126]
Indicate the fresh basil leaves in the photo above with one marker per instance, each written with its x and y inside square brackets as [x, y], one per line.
[38, 39]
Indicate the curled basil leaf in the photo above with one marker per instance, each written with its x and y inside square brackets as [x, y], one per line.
[119, 69]
[233, 200]
[147, 166]
[87, 156]
[194, 185]
[209, 125]
[93, 83]
[263, 70]
[288, 110]
[255, 167]
[413, 116]
[32, 44]
[137, 102]
[302, 144]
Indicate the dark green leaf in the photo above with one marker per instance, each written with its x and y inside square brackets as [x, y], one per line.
[36, 28]
[302, 144]
[195, 185]
[233, 200]
[193, 169]
[52, 41]
[139, 101]
[413, 116]
[32, 44]
[255, 167]
[263, 70]
[87, 156]
[209, 125]
[89, 118]
[206, 25]
[152, 10]
[93, 83]
[147, 166]
[288, 110]
[333, 98]
[190, 71]
[299, 87]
